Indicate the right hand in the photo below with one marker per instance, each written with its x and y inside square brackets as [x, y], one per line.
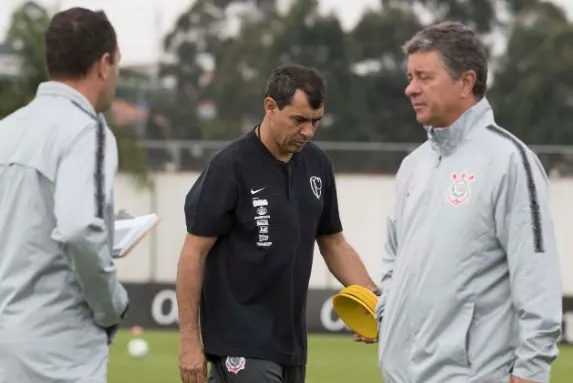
[192, 361]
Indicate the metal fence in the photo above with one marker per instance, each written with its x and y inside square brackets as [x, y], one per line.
[348, 157]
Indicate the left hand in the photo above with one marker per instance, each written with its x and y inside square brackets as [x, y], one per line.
[515, 379]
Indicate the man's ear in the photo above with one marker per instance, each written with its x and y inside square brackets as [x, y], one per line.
[469, 79]
[103, 66]
[270, 106]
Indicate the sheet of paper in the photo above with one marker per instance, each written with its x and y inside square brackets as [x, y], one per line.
[130, 231]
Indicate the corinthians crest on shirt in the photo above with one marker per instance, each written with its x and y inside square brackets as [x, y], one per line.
[459, 192]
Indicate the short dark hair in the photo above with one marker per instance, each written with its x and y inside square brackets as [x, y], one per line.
[459, 47]
[285, 80]
[75, 39]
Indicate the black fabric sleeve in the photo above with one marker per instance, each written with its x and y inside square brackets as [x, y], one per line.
[330, 218]
[210, 204]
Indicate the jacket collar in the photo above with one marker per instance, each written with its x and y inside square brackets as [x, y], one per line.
[59, 89]
[446, 140]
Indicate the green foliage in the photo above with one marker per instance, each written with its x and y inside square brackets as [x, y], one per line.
[25, 36]
[531, 90]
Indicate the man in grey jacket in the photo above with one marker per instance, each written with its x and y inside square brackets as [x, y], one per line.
[471, 279]
[60, 299]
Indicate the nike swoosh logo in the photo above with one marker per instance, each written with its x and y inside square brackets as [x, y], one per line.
[256, 191]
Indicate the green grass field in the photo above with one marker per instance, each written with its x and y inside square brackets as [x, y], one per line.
[332, 359]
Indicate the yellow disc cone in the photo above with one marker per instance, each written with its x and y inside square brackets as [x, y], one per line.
[356, 306]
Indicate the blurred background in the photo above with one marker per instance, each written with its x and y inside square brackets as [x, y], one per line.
[193, 74]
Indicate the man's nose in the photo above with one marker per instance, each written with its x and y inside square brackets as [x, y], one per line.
[412, 88]
[308, 129]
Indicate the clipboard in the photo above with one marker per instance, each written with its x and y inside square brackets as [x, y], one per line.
[130, 231]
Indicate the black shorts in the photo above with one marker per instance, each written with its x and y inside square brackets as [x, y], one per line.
[251, 370]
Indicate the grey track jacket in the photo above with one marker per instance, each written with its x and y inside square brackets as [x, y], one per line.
[471, 279]
[58, 284]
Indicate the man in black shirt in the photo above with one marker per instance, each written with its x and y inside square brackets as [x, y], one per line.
[252, 220]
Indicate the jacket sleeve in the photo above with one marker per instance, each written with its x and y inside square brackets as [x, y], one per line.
[390, 247]
[525, 230]
[388, 258]
[79, 204]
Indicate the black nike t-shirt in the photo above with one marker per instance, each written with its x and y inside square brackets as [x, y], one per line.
[267, 215]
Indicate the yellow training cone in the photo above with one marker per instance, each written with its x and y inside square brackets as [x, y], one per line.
[356, 307]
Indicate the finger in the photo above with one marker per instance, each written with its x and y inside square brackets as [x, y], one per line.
[186, 377]
[199, 377]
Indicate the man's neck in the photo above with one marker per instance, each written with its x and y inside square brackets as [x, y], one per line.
[83, 88]
[266, 138]
[464, 107]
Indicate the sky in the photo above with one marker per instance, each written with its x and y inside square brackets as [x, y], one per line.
[140, 33]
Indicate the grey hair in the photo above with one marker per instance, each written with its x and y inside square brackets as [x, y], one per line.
[459, 47]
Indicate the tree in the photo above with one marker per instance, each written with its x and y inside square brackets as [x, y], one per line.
[532, 91]
[484, 16]
[26, 36]
[388, 113]
[533, 86]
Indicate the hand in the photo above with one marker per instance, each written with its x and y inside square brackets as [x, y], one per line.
[360, 338]
[110, 332]
[515, 379]
[192, 361]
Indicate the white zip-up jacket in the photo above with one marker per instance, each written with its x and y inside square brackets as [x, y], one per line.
[471, 278]
[59, 290]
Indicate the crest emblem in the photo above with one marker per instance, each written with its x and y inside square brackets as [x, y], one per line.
[316, 186]
[459, 192]
[235, 364]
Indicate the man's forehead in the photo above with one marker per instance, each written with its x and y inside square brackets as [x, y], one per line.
[301, 106]
[423, 61]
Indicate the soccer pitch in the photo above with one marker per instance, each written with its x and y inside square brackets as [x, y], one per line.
[332, 359]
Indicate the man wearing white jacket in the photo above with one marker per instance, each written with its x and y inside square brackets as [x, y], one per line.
[60, 300]
[471, 279]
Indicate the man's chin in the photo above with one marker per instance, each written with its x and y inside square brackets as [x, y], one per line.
[422, 118]
[295, 148]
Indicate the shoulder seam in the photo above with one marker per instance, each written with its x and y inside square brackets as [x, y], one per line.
[228, 146]
[538, 242]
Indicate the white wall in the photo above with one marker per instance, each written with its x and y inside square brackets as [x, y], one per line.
[364, 202]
